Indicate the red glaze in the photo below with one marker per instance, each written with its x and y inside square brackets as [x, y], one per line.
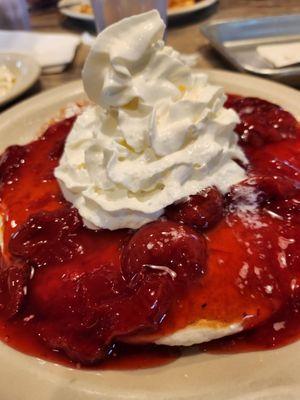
[82, 292]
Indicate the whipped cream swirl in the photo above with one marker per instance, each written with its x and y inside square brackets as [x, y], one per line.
[157, 134]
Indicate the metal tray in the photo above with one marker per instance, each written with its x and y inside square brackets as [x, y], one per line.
[237, 41]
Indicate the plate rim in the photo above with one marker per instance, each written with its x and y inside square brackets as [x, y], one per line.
[44, 380]
[77, 84]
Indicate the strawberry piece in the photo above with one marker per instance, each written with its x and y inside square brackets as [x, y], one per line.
[276, 159]
[13, 288]
[202, 211]
[173, 248]
[263, 189]
[261, 121]
[83, 310]
[10, 161]
[17, 280]
[47, 237]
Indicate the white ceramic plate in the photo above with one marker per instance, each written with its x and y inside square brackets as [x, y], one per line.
[172, 12]
[26, 71]
[268, 375]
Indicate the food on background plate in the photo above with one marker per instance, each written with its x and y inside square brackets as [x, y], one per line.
[7, 80]
[84, 8]
[180, 3]
[165, 212]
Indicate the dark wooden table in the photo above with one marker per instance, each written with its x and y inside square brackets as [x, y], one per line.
[183, 35]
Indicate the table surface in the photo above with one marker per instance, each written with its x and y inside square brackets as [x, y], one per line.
[183, 35]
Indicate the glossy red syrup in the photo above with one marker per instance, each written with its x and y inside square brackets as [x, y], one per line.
[67, 290]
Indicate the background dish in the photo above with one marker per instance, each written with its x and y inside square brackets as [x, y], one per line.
[237, 41]
[66, 9]
[26, 71]
[172, 12]
[269, 375]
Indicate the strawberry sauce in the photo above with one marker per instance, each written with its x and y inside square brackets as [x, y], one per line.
[73, 295]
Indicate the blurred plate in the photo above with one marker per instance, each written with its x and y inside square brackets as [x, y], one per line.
[66, 8]
[74, 11]
[237, 41]
[26, 71]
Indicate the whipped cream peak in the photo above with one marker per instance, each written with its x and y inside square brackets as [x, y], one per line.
[158, 132]
[118, 54]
